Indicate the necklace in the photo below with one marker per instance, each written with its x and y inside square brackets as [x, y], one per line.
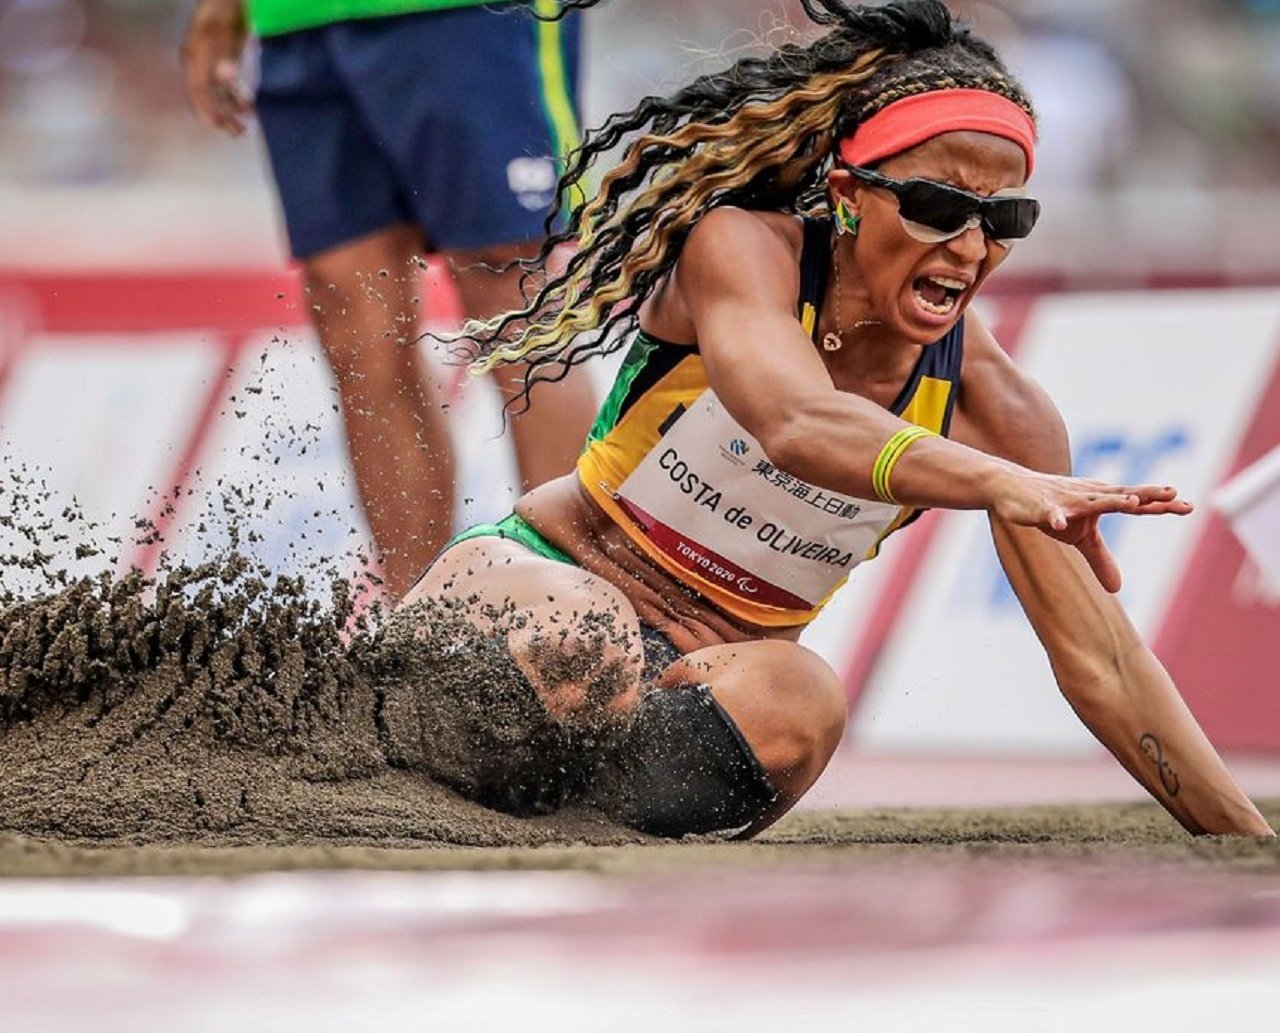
[833, 340]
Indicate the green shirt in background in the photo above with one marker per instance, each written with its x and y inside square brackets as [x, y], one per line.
[274, 17]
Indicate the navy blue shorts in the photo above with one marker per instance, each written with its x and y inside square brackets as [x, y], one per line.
[453, 121]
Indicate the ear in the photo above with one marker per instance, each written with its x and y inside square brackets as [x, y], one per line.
[841, 186]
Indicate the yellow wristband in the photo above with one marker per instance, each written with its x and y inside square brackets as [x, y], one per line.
[888, 459]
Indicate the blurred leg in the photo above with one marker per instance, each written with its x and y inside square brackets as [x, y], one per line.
[362, 298]
[549, 436]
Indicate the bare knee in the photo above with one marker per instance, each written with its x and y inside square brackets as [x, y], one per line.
[378, 367]
[487, 280]
[809, 718]
[384, 257]
[491, 259]
[362, 298]
[789, 705]
[584, 663]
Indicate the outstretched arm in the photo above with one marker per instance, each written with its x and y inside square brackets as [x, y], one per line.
[1106, 672]
[1118, 687]
[737, 281]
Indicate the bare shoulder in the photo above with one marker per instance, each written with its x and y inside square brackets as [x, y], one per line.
[743, 258]
[728, 224]
[733, 247]
[1004, 411]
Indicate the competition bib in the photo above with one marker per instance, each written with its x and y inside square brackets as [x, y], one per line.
[708, 498]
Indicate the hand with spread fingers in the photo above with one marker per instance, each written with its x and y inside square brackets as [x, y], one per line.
[211, 53]
[1069, 509]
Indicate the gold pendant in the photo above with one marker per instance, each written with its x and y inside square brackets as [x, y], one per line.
[831, 341]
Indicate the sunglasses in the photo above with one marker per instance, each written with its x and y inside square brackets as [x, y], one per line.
[932, 212]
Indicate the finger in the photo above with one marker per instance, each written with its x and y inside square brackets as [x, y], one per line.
[1100, 560]
[1095, 503]
[1152, 492]
[229, 120]
[1157, 499]
[211, 104]
[1177, 507]
[229, 98]
[226, 74]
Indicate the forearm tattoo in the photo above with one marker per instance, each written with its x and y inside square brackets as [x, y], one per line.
[1150, 745]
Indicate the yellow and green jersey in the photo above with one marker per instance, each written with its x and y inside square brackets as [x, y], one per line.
[698, 495]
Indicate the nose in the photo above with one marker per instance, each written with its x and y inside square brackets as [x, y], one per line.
[971, 245]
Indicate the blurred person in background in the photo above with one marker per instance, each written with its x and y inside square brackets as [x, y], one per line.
[396, 127]
[793, 245]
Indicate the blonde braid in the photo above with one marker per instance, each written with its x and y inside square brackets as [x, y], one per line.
[758, 135]
[792, 133]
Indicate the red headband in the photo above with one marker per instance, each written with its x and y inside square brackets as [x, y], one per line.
[920, 117]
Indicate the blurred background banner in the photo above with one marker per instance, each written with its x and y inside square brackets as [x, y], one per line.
[1160, 129]
[1148, 399]
[1251, 501]
[155, 359]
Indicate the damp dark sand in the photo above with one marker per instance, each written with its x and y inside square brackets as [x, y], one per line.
[223, 708]
[1136, 837]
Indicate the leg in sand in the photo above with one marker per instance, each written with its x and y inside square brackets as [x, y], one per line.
[785, 700]
[577, 639]
[580, 651]
[362, 296]
[549, 435]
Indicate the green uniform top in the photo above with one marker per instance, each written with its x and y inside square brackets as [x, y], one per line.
[273, 17]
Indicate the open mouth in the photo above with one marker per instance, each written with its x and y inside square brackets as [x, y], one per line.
[938, 294]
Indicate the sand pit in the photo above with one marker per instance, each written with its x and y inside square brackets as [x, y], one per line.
[220, 719]
[221, 707]
[1101, 837]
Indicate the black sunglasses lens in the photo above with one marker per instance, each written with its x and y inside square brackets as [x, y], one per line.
[948, 211]
[934, 205]
[1010, 218]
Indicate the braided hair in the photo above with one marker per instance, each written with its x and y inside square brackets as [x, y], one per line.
[759, 135]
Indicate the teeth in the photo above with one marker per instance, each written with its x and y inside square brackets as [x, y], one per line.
[938, 310]
[950, 284]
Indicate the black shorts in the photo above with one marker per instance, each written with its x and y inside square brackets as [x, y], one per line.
[682, 766]
[659, 653]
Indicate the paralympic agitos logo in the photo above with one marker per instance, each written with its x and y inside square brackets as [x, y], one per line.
[735, 450]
